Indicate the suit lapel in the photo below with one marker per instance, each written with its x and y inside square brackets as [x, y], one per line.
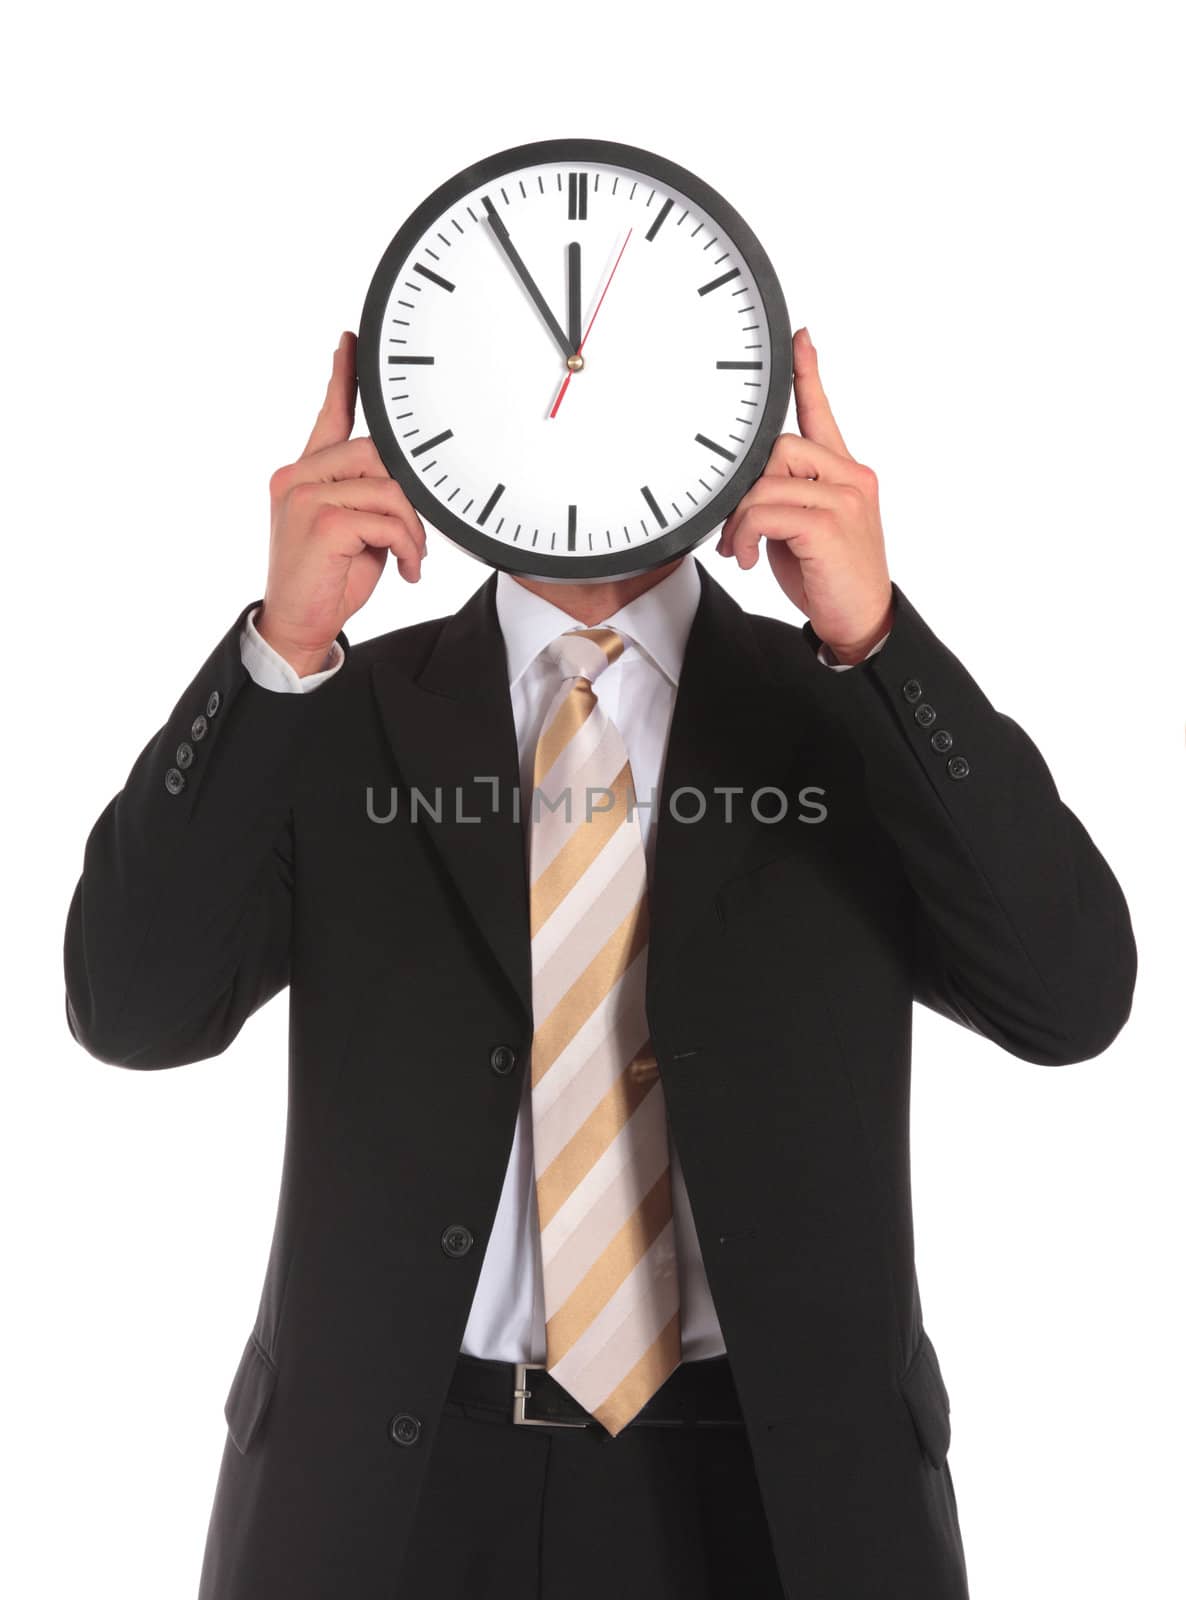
[450, 726]
[452, 733]
[729, 728]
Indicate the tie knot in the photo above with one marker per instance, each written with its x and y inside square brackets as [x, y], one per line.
[585, 652]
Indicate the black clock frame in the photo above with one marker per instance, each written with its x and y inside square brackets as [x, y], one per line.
[535, 563]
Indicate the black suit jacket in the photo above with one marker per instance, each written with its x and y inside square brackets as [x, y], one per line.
[785, 958]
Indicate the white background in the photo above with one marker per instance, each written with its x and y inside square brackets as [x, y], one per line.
[975, 211]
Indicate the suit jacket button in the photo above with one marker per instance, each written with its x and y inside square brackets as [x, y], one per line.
[405, 1429]
[502, 1059]
[213, 701]
[174, 780]
[185, 755]
[457, 1240]
[925, 714]
[197, 729]
[912, 690]
[941, 741]
[958, 767]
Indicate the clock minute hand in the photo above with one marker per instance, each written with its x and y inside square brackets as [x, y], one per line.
[498, 227]
[574, 295]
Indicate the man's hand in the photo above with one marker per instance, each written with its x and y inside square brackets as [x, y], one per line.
[335, 514]
[817, 510]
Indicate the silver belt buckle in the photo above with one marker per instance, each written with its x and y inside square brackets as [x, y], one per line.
[522, 1394]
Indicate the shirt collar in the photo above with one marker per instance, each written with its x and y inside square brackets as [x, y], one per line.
[657, 621]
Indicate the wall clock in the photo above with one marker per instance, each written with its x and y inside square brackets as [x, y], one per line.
[575, 357]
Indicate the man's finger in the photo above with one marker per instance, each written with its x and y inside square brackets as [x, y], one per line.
[384, 500]
[776, 492]
[378, 532]
[799, 527]
[357, 458]
[816, 421]
[335, 420]
[805, 458]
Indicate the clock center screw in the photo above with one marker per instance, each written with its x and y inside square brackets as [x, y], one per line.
[576, 363]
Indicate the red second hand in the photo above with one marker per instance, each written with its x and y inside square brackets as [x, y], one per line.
[592, 320]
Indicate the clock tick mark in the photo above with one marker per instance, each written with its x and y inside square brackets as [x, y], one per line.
[433, 277]
[430, 444]
[654, 505]
[711, 444]
[661, 218]
[490, 505]
[740, 366]
[410, 361]
[572, 528]
[707, 288]
[578, 196]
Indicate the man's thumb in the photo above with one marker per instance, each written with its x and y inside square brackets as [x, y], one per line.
[335, 420]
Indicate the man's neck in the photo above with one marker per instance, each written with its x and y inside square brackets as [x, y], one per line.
[591, 603]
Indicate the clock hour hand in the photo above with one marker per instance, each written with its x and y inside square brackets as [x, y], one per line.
[574, 295]
[568, 346]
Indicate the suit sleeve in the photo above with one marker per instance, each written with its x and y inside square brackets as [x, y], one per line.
[179, 926]
[1021, 930]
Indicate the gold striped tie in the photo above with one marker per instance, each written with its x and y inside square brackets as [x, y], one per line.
[602, 1167]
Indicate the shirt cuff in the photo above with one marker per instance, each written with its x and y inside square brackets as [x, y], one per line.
[268, 668]
[829, 660]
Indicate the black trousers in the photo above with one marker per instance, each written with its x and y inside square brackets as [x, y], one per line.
[550, 1513]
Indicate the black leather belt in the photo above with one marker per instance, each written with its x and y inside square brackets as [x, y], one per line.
[698, 1393]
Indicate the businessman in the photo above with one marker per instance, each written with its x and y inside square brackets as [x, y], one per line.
[602, 911]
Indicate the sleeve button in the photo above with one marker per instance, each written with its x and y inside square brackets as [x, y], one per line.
[197, 729]
[457, 1240]
[185, 755]
[213, 701]
[912, 690]
[925, 714]
[941, 741]
[958, 767]
[405, 1429]
[174, 780]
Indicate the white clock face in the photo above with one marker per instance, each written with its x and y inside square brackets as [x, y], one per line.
[573, 359]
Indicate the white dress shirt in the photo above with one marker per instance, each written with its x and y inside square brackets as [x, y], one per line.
[637, 693]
